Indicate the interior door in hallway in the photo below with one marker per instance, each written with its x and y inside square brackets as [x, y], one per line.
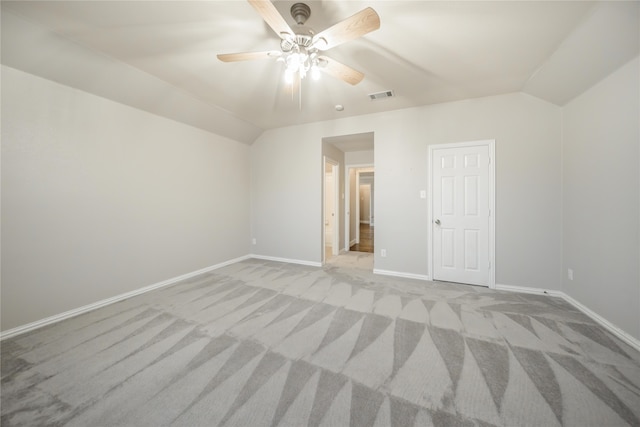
[461, 214]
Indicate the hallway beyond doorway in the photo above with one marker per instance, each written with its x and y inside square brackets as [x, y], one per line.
[366, 239]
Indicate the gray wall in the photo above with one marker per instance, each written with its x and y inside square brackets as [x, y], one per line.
[285, 164]
[286, 195]
[99, 199]
[359, 157]
[601, 190]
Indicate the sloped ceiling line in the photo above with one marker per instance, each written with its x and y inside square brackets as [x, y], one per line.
[428, 52]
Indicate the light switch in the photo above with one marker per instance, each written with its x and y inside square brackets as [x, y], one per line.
[423, 194]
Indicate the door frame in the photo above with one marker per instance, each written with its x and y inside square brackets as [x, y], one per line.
[335, 172]
[367, 167]
[490, 143]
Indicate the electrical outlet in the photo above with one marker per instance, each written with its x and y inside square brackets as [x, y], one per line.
[570, 274]
[254, 241]
[383, 253]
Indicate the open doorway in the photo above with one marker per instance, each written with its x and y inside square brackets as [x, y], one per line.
[361, 195]
[354, 155]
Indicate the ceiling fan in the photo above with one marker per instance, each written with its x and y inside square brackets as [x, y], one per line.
[300, 49]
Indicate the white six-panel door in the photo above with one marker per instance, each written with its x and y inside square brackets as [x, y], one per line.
[461, 214]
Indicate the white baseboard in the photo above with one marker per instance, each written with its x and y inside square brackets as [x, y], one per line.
[90, 307]
[287, 260]
[621, 334]
[401, 274]
[632, 341]
[526, 290]
[615, 330]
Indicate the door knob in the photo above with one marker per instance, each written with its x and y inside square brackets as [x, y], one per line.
[437, 221]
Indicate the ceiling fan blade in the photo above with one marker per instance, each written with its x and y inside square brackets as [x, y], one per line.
[340, 71]
[358, 25]
[248, 56]
[271, 16]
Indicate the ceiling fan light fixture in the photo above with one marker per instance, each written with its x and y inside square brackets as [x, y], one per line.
[298, 62]
[293, 62]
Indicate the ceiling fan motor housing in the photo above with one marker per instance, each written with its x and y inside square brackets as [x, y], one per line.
[300, 13]
[299, 40]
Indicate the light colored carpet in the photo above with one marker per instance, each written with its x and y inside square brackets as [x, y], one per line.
[352, 260]
[261, 343]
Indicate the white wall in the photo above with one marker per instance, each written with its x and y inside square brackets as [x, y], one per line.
[528, 218]
[601, 196]
[99, 199]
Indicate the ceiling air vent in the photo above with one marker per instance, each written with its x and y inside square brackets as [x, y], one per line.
[380, 95]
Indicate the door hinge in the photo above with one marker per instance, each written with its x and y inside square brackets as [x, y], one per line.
[489, 265]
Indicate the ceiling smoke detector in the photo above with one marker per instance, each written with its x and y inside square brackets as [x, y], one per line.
[381, 95]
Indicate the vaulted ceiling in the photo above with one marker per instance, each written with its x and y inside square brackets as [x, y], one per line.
[160, 56]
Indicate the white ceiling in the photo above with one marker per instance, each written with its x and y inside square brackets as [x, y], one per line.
[161, 55]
